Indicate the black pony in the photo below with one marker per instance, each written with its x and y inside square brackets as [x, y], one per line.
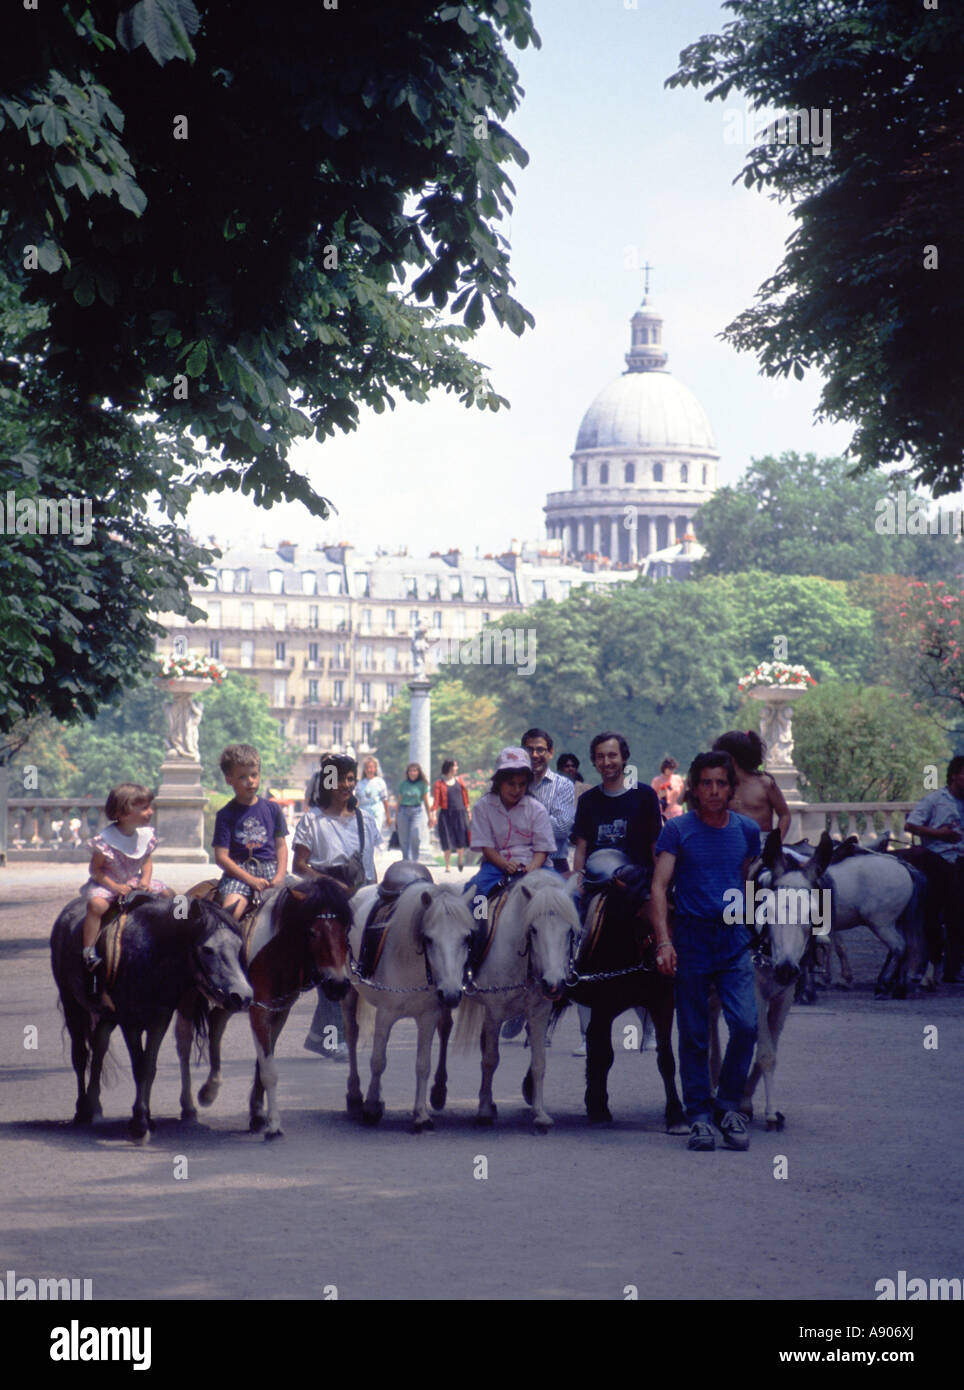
[166, 954]
[617, 940]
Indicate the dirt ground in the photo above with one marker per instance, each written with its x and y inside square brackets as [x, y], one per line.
[871, 1157]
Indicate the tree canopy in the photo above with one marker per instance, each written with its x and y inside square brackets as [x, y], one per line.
[801, 515]
[871, 290]
[223, 232]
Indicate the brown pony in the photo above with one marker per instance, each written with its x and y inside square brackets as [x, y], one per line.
[297, 938]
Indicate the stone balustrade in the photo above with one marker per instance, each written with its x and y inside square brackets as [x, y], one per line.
[867, 819]
[51, 827]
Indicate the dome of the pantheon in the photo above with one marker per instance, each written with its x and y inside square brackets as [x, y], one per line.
[644, 463]
[649, 410]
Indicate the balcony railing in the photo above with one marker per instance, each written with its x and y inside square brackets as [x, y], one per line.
[867, 819]
[52, 827]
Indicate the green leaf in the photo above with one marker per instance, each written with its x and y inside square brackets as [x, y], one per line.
[197, 359]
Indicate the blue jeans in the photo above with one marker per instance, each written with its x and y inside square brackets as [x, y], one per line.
[707, 950]
[412, 825]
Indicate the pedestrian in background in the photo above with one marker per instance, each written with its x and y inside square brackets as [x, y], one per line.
[415, 816]
[450, 801]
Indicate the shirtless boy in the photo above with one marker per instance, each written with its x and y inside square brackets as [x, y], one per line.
[757, 794]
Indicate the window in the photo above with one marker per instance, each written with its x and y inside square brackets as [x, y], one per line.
[366, 733]
[366, 620]
[455, 586]
[337, 733]
[338, 659]
[279, 618]
[214, 614]
[339, 618]
[313, 650]
[584, 473]
[368, 658]
[276, 581]
[309, 582]
[226, 581]
[411, 587]
[391, 659]
[312, 615]
[247, 616]
[413, 618]
[334, 583]
[391, 690]
[604, 473]
[366, 692]
[629, 473]
[538, 589]
[684, 473]
[478, 584]
[241, 576]
[437, 620]
[214, 649]
[362, 584]
[657, 472]
[704, 474]
[313, 692]
[280, 691]
[564, 587]
[460, 622]
[247, 651]
[280, 654]
[505, 590]
[390, 614]
[338, 692]
[486, 618]
[281, 727]
[312, 733]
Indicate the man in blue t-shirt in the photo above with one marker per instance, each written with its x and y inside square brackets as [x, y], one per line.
[705, 854]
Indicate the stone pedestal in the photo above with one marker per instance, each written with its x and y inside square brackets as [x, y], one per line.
[776, 731]
[180, 802]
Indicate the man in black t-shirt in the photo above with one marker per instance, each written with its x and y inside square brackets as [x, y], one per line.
[614, 816]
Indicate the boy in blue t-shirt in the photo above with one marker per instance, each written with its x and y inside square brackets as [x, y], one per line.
[705, 854]
[249, 833]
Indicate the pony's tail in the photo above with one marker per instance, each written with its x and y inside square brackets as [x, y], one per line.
[910, 924]
[467, 1033]
[365, 1015]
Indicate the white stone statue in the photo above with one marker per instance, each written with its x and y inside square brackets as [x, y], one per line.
[419, 649]
[183, 716]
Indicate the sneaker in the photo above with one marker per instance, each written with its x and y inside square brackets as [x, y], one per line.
[701, 1137]
[580, 1051]
[313, 1043]
[733, 1127]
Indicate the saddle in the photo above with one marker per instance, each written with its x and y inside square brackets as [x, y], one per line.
[208, 890]
[483, 933]
[635, 888]
[374, 935]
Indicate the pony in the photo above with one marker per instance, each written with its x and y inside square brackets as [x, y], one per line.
[867, 889]
[163, 960]
[781, 949]
[618, 945]
[296, 938]
[528, 958]
[419, 974]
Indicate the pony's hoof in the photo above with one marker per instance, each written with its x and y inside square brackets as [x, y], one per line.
[485, 1121]
[188, 1116]
[151, 1124]
[372, 1114]
[82, 1118]
[438, 1097]
[600, 1115]
[527, 1088]
[257, 1123]
[273, 1134]
[208, 1093]
[542, 1126]
[778, 1122]
[421, 1126]
[139, 1133]
[353, 1105]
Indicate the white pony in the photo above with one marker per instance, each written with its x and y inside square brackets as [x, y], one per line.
[419, 974]
[524, 970]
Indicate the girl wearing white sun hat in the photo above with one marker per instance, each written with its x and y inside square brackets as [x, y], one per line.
[511, 828]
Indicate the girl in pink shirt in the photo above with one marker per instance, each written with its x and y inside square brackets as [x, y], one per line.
[511, 828]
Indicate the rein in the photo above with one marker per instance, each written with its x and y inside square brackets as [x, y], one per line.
[285, 1001]
[396, 989]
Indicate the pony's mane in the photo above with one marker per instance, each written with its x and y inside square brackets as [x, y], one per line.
[222, 918]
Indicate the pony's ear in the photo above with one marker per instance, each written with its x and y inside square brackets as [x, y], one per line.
[298, 893]
[527, 893]
[773, 849]
[821, 858]
[426, 898]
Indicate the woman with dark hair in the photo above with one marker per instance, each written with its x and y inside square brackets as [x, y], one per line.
[757, 794]
[450, 801]
[412, 803]
[336, 839]
[512, 828]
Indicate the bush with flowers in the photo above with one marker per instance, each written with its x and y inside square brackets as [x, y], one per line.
[197, 667]
[777, 673]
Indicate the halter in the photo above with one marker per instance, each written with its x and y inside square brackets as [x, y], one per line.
[398, 989]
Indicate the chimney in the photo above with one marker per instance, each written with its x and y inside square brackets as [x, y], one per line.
[451, 557]
[286, 549]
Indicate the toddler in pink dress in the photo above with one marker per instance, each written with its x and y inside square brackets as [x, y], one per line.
[120, 859]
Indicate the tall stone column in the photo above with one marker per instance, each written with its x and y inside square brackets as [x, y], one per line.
[180, 802]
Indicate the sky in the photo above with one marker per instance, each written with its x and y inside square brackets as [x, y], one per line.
[622, 171]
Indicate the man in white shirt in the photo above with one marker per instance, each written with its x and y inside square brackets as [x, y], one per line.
[556, 793]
